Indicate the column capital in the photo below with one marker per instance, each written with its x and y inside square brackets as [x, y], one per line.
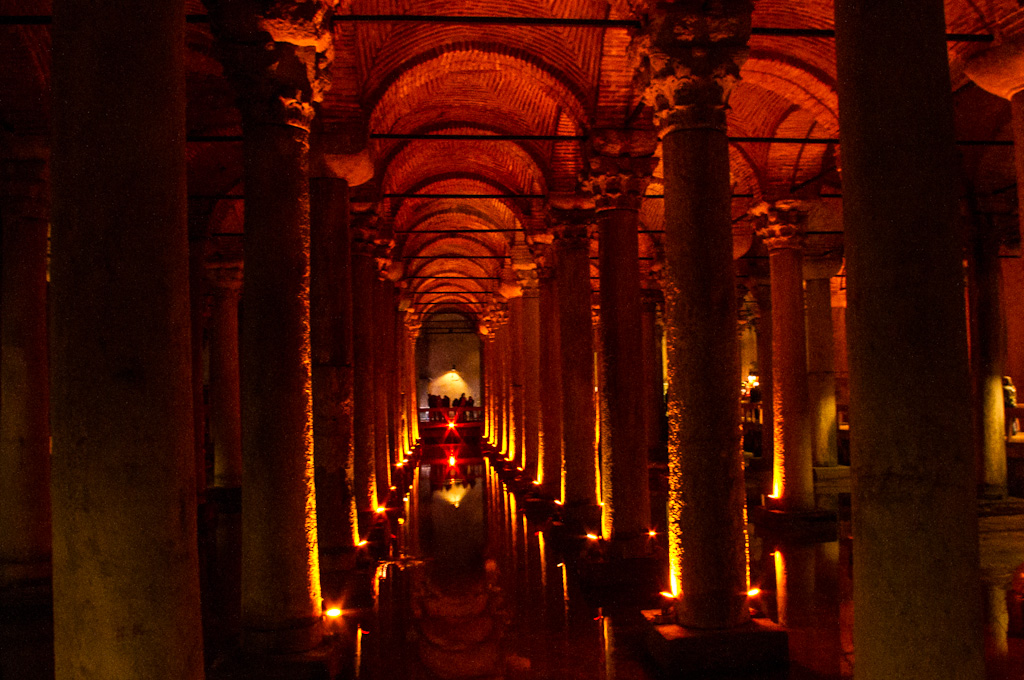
[619, 165]
[341, 151]
[688, 59]
[570, 219]
[999, 69]
[277, 53]
[781, 224]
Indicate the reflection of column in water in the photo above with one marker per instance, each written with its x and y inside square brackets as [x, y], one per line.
[359, 652]
[794, 578]
[828, 597]
[608, 645]
[997, 622]
[228, 573]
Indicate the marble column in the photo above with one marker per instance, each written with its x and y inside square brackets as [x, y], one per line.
[762, 292]
[364, 280]
[225, 282]
[913, 488]
[330, 301]
[781, 226]
[653, 402]
[517, 394]
[531, 376]
[125, 562]
[576, 351]
[550, 471]
[821, 372]
[618, 170]
[25, 564]
[381, 360]
[689, 61]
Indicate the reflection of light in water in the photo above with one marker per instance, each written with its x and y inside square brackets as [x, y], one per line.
[454, 493]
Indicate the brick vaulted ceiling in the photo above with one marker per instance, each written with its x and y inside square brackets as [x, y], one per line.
[514, 80]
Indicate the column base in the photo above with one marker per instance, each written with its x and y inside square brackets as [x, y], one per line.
[799, 526]
[582, 519]
[690, 653]
[320, 663]
[336, 569]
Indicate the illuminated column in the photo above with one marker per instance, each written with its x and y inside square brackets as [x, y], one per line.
[225, 282]
[781, 225]
[330, 300]
[487, 398]
[653, 378]
[821, 372]
[689, 61]
[381, 361]
[914, 496]
[412, 331]
[550, 472]
[576, 350]
[531, 372]
[997, 70]
[516, 394]
[125, 562]
[25, 565]
[762, 292]
[364, 279]
[618, 171]
[200, 303]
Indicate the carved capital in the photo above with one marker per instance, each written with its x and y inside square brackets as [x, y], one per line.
[782, 224]
[619, 165]
[688, 57]
[277, 53]
[570, 226]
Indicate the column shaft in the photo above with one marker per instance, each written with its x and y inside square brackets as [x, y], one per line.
[821, 375]
[914, 499]
[550, 473]
[793, 481]
[330, 290]
[579, 474]
[624, 466]
[364, 278]
[125, 563]
[25, 414]
[225, 397]
[763, 296]
[989, 360]
[516, 394]
[705, 468]
[653, 405]
[280, 572]
[531, 381]
[381, 359]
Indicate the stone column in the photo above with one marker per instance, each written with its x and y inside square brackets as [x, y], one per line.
[364, 280]
[531, 375]
[516, 393]
[913, 491]
[821, 372]
[330, 301]
[653, 403]
[381, 360]
[200, 308]
[225, 282]
[278, 59]
[689, 61]
[762, 292]
[25, 565]
[550, 472]
[125, 562]
[781, 225]
[618, 171]
[572, 266]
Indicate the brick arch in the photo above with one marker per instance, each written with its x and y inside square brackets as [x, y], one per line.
[798, 82]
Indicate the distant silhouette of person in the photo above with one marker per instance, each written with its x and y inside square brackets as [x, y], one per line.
[469, 404]
[446, 402]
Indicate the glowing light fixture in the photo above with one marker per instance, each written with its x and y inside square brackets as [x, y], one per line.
[652, 533]
[592, 537]
[451, 426]
[667, 594]
[535, 483]
[381, 509]
[451, 460]
[753, 592]
[361, 543]
[333, 612]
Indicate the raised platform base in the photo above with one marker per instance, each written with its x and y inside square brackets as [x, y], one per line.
[813, 526]
[322, 663]
[688, 653]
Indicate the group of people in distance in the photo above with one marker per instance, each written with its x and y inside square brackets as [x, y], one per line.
[436, 401]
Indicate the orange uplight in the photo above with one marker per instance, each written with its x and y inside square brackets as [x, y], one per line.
[558, 502]
[592, 537]
[451, 426]
[753, 592]
[360, 544]
[535, 483]
[451, 460]
[333, 612]
[667, 594]
[381, 509]
[652, 533]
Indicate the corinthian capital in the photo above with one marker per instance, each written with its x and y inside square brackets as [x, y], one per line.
[619, 165]
[688, 57]
[277, 54]
[782, 224]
